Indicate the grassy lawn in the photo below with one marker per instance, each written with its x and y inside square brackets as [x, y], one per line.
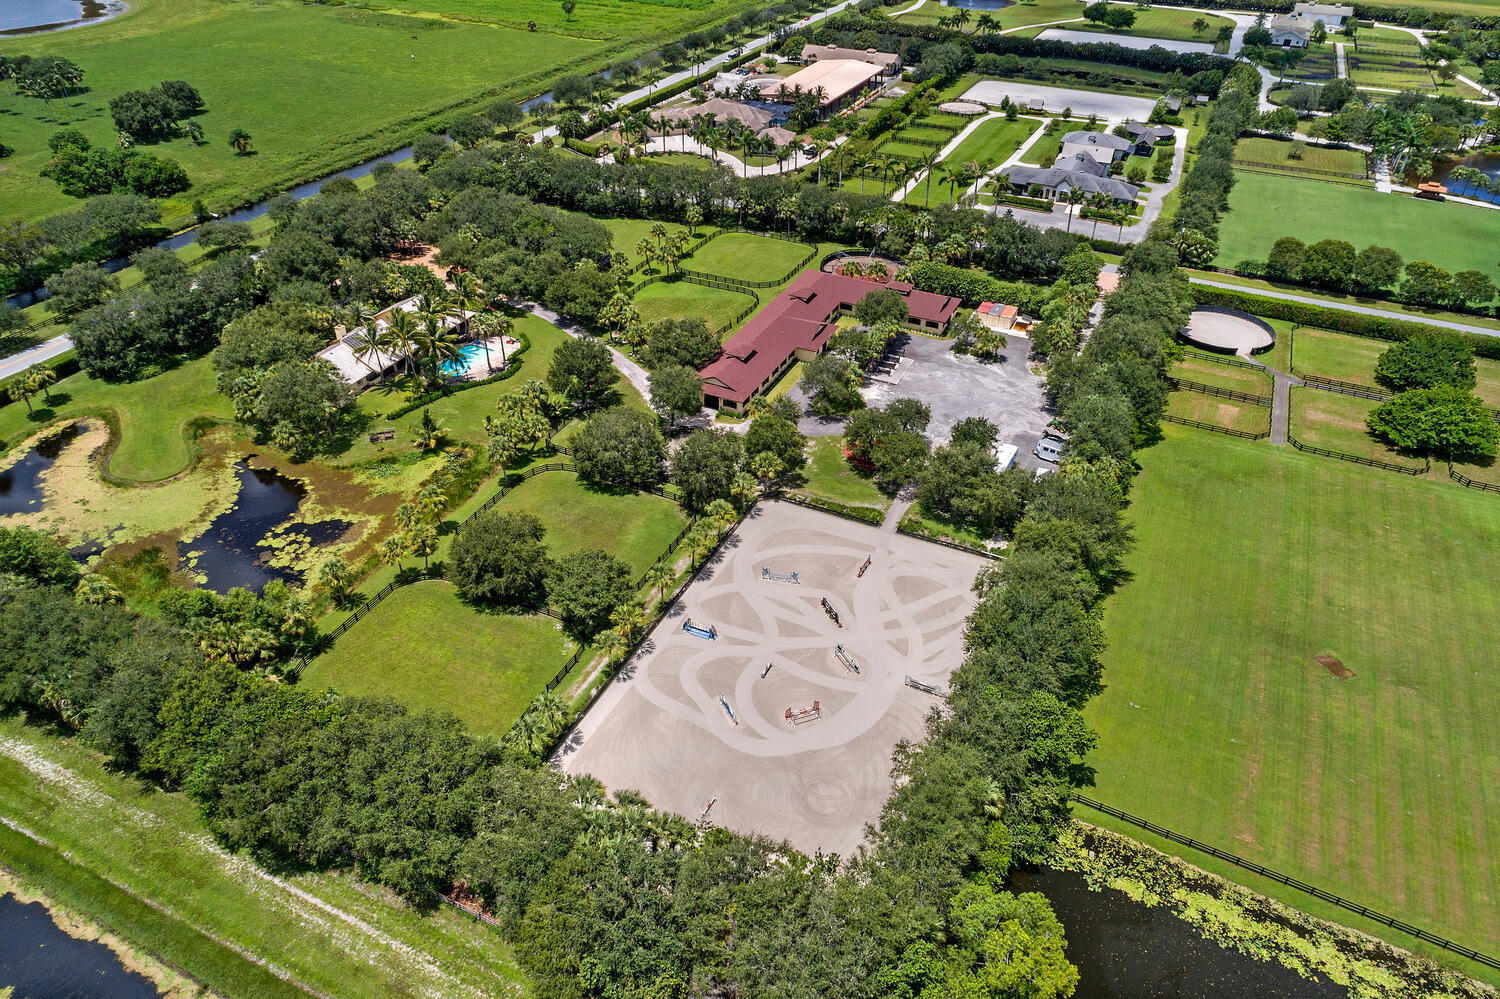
[634, 527]
[1336, 355]
[1224, 413]
[152, 414]
[829, 476]
[748, 257]
[318, 86]
[142, 863]
[1264, 208]
[993, 141]
[1273, 153]
[682, 300]
[1217, 722]
[426, 647]
[1337, 422]
[628, 232]
[907, 150]
[1162, 22]
[1050, 143]
[1199, 369]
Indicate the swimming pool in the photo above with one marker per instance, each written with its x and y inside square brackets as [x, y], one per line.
[467, 355]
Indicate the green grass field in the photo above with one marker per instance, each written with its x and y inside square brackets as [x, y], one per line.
[748, 257]
[1219, 412]
[153, 415]
[1273, 153]
[426, 647]
[1415, 312]
[1337, 422]
[829, 476]
[993, 141]
[1194, 367]
[1263, 208]
[317, 86]
[682, 300]
[1352, 359]
[1161, 22]
[141, 862]
[626, 233]
[1217, 722]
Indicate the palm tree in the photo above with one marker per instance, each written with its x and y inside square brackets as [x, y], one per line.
[392, 551]
[423, 540]
[985, 24]
[766, 466]
[239, 140]
[658, 578]
[627, 617]
[468, 298]
[402, 332]
[962, 17]
[743, 488]
[42, 379]
[21, 389]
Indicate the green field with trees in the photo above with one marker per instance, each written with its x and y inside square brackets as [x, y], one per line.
[1218, 722]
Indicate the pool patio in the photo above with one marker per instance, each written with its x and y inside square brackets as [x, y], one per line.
[471, 364]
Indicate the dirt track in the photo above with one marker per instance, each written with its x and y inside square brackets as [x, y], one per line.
[660, 729]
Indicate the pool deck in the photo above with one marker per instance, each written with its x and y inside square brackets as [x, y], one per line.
[476, 368]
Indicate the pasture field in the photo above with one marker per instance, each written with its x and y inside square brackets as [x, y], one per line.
[748, 257]
[1352, 359]
[993, 141]
[1274, 153]
[682, 300]
[1319, 63]
[1263, 208]
[142, 862]
[1196, 367]
[1162, 22]
[1220, 412]
[915, 152]
[426, 647]
[1217, 720]
[317, 86]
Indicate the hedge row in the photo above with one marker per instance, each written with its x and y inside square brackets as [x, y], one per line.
[1338, 320]
[1040, 204]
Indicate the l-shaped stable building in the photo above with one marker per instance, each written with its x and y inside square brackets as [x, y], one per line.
[797, 325]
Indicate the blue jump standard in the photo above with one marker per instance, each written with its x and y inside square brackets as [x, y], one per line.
[711, 633]
[779, 577]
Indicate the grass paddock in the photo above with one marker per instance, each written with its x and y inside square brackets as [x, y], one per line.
[748, 257]
[682, 300]
[1217, 722]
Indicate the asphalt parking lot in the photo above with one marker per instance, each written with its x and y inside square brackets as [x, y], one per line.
[1003, 391]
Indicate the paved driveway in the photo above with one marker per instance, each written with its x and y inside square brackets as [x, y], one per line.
[1124, 41]
[1114, 107]
[1003, 391]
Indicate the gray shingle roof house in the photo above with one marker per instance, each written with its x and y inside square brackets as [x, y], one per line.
[1100, 146]
[1146, 137]
[1071, 173]
[1290, 31]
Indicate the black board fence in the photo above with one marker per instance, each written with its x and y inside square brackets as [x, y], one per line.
[1464, 480]
[1291, 882]
[1243, 434]
[1222, 393]
[1388, 466]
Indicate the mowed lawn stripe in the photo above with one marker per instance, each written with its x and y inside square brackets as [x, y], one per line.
[1217, 722]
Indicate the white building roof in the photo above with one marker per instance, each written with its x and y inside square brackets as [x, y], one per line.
[345, 352]
[837, 77]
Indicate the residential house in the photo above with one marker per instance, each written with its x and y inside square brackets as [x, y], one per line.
[1333, 15]
[361, 366]
[1146, 137]
[1101, 147]
[1290, 31]
[1079, 172]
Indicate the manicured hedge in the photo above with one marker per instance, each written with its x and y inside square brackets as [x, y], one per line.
[1040, 204]
[1338, 320]
[975, 286]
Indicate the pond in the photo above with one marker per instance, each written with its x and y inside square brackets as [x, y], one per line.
[229, 553]
[1124, 949]
[25, 16]
[21, 483]
[1486, 163]
[40, 961]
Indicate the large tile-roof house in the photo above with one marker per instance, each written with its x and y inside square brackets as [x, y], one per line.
[797, 325]
[1080, 173]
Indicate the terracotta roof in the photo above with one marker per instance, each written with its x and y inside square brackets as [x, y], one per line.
[799, 319]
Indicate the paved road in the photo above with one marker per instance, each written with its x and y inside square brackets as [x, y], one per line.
[17, 363]
[1361, 309]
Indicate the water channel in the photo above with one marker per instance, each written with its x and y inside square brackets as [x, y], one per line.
[39, 961]
[21, 483]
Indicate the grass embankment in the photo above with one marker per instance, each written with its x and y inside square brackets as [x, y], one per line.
[1263, 208]
[141, 863]
[317, 86]
[1217, 721]
[993, 141]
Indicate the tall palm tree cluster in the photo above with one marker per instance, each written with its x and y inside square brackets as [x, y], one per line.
[29, 383]
[427, 336]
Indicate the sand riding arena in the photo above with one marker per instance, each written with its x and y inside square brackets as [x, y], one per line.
[769, 702]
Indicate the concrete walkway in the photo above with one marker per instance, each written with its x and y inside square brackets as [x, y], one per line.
[1362, 310]
[1343, 66]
